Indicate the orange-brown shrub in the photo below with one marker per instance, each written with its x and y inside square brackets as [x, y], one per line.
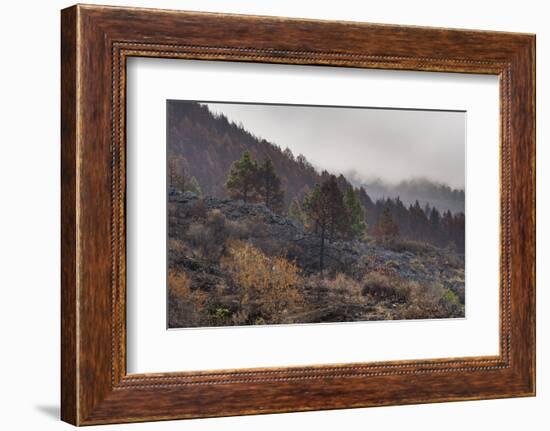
[179, 284]
[192, 303]
[268, 286]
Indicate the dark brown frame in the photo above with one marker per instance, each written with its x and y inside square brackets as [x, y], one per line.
[95, 43]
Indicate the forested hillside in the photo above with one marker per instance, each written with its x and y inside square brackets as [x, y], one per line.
[203, 147]
[210, 144]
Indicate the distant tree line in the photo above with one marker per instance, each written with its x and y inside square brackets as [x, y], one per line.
[388, 219]
[426, 224]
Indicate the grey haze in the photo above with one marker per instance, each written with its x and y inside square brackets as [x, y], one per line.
[392, 145]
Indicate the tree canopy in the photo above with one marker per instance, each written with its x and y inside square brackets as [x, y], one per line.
[386, 229]
[268, 186]
[242, 180]
[253, 182]
[356, 213]
[178, 178]
[295, 212]
[326, 213]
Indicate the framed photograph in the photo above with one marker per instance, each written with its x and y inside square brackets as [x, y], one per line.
[267, 215]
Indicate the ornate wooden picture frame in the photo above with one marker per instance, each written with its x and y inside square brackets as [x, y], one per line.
[96, 41]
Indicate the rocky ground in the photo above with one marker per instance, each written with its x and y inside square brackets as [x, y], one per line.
[396, 280]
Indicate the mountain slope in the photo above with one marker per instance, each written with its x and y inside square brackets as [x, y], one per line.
[210, 144]
[207, 144]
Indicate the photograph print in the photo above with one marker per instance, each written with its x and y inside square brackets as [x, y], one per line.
[294, 214]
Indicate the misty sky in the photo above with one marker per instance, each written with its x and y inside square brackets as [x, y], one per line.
[391, 145]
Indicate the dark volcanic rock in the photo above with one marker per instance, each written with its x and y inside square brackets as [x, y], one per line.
[274, 233]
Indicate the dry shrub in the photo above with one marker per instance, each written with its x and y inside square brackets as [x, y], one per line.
[460, 293]
[432, 301]
[454, 260]
[417, 247]
[209, 236]
[188, 304]
[420, 301]
[179, 284]
[197, 211]
[385, 287]
[255, 227]
[340, 290]
[268, 286]
[178, 249]
[381, 266]
[176, 246]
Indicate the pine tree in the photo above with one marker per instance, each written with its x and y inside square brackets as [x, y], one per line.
[427, 209]
[326, 213]
[242, 179]
[364, 198]
[401, 216]
[313, 209]
[447, 226]
[193, 186]
[435, 222]
[176, 173]
[356, 213]
[268, 186]
[459, 239]
[419, 221]
[288, 154]
[386, 230]
[295, 213]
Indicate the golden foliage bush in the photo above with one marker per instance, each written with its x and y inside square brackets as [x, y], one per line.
[179, 284]
[268, 286]
[192, 302]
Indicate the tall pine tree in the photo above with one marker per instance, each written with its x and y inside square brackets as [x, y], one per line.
[386, 230]
[295, 213]
[243, 176]
[268, 186]
[326, 213]
[176, 172]
[193, 186]
[356, 213]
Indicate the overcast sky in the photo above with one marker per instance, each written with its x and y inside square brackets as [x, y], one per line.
[391, 145]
